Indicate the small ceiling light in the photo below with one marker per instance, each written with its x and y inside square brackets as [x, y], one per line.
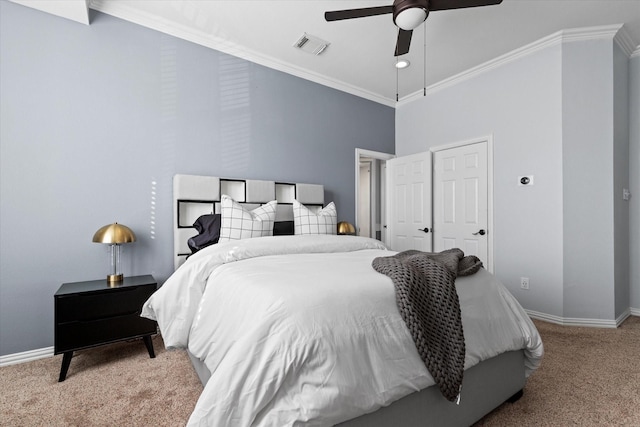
[402, 63]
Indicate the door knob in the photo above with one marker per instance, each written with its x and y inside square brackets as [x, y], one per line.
[481, 232]
[426, 230]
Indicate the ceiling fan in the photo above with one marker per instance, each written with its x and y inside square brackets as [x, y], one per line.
[407, 15]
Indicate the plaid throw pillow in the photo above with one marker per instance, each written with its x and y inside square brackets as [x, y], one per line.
[307, 222]
[238, 223]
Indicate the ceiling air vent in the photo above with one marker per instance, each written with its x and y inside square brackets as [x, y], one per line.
[311, 44]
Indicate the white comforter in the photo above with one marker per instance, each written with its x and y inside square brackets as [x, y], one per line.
[301, 330]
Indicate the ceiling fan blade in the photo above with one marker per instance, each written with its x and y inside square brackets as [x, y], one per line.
[404, 42]
[459, 4]
[338, 15]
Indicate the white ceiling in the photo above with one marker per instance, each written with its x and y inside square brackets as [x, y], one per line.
[360, 57]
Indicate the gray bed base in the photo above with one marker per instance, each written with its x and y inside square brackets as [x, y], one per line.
[485, 387]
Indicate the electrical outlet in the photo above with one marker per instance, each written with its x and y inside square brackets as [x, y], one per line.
[524, 283]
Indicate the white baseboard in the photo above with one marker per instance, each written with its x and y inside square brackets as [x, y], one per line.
[594, 323]
[623, 317]
[26, 356]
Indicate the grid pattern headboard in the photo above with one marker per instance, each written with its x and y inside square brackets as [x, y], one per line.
[196, 195]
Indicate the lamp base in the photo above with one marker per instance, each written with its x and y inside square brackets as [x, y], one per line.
[115, 278]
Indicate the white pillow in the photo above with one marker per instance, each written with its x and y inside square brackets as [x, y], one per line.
[307, 222]
[238, 223]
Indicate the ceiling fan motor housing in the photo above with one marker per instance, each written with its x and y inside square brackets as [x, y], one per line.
[408, 14]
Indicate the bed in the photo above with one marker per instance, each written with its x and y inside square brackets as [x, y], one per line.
[289, 330]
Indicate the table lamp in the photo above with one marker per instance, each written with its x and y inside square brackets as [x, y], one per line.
[114, 235]
[346, 228]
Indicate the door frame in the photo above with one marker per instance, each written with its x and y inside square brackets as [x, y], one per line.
[362, 153]
[490, 225]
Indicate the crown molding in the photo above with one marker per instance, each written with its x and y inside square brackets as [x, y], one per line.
[616, 32]
[122, 11]
[625, 41]
[508, 57]
[77, 11]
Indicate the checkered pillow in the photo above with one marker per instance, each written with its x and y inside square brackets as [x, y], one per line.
[238, 223]
[307, 222]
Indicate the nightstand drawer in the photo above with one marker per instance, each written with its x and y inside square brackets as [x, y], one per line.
[101, 304]
[81, 334]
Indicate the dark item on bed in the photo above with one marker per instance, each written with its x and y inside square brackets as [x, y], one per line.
[283, 228]
[208, 228]
[429, 305]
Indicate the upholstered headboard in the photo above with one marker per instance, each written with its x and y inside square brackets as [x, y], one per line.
[196, 195]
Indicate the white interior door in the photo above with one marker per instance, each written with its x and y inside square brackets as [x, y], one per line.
[409, 202]
[460, 199]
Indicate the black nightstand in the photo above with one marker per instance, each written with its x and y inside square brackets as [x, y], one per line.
[88, 314]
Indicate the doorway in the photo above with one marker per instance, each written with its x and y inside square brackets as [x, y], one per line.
[370, 177]
[364, 198]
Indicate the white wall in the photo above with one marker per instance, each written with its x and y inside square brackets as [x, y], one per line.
[558, 113]
[587, 109]
[634, 179]
[519, 104]
[621, 145]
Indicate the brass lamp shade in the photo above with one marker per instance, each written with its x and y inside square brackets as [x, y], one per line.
[114, 235]
[346, 228]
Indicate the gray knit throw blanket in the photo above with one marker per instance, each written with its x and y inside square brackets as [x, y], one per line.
[428, 303]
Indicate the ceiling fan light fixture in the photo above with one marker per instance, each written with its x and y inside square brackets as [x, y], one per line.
[407, 15]
[410, 18]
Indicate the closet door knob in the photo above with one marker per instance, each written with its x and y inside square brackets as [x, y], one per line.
[481, 232]
[426, 230]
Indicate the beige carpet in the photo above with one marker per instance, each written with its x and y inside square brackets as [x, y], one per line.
[589, 377]
[114, 385]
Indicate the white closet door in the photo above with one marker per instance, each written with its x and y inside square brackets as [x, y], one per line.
[409, 202]
[460, 199]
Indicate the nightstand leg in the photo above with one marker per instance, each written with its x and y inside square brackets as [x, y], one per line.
[149, 344]
[66, 361]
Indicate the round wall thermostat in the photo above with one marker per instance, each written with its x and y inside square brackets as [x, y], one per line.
[525, 180]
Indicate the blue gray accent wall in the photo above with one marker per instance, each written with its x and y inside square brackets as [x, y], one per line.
[95, 121]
